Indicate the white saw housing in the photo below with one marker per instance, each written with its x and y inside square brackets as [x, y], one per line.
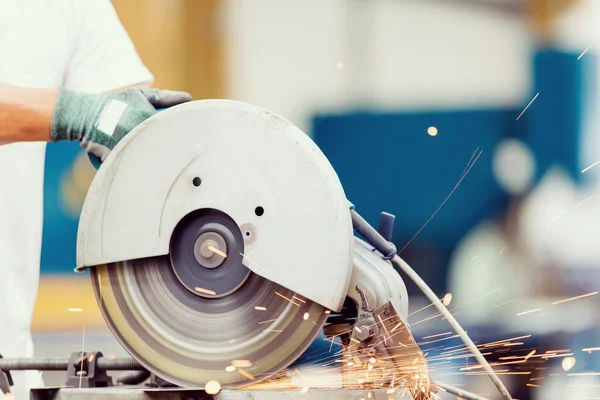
[255, 166]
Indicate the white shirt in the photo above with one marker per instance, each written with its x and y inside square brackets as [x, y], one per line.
[77, 44]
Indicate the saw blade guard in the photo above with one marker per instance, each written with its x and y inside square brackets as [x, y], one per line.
[251, 164]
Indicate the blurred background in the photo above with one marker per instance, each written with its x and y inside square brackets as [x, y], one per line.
[492, 101]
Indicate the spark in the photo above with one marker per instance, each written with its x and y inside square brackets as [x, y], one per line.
[461, 356]
[522, 112]
[75, 309]
[500, 342]
[463, 176]
[474, 300]
[206, 291]
[246, 374]
[582, 202]
[492, 364]
[501, 251]
[306, 315]
[282, 296]
[585, 51]
[267, 321]
[499, 373]
[396, 327]
[327, 312]
[585, 374]
[533, 385]
[384, 327]
[339, 65]
[437, 340]
[230, 368]
[304, 389]
[529, 311]
[299, 299]
[437, 335]
[220, 253]
[241, 363]
[372, 360]
[506, 302]
[529, 355]
[432, 131]
[260, 308]
[568, 363]
[420, 309]
[212, 387]
[590, 349]
[447, 299]
[590, 167]
[576, 297]
[548, 356]
[332, 339]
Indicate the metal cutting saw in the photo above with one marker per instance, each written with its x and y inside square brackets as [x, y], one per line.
[220, 243]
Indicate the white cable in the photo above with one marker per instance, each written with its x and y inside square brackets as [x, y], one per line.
[454, 323]
[463, 394]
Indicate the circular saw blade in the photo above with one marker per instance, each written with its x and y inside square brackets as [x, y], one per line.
[188, 339]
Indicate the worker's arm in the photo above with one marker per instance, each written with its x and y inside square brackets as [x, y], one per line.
[98, 121]
[25, 114]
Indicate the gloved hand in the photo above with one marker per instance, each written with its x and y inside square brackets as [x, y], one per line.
[100, 121]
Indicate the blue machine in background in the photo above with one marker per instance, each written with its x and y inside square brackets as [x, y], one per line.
[59, 237]
[388, 162]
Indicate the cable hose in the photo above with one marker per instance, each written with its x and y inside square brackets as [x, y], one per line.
[454, 323]
[463, 394]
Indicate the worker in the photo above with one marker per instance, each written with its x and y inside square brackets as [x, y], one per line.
[58, 57]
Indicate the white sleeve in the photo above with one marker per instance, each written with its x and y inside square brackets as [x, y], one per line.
[103, 58]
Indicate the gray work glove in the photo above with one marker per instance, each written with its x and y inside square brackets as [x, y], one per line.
[100, 121]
